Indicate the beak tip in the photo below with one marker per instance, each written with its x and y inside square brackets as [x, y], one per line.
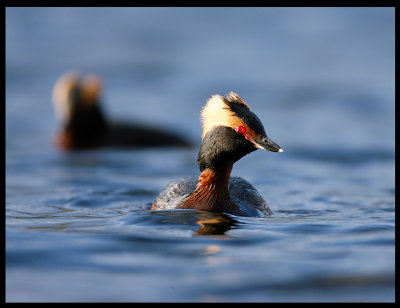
[267, 144]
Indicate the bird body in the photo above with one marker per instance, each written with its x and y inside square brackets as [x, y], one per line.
[85, 126]
[230, 131]
[240, 191]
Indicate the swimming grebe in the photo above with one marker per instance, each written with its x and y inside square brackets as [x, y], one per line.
[230, 131]
[84, 126]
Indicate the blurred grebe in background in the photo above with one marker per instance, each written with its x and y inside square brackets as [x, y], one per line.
[84, 125]
[230, 131]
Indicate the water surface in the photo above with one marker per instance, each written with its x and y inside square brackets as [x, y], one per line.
[321, 80]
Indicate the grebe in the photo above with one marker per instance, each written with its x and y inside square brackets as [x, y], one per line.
[230, 131]
[76, 103]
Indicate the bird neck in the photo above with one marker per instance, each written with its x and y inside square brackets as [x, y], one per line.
[212, 193]
[84, 130]
[221, 147]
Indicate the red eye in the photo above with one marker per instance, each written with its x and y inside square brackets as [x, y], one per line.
[241, 129]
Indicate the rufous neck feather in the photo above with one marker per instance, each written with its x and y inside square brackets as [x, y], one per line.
[212, 194]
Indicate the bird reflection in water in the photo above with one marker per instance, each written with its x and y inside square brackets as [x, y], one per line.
[202, 222]
[214, 224]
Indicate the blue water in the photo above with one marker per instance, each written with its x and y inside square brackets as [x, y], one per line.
[321, 80]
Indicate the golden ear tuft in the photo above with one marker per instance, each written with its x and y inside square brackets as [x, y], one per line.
[234, 98]
[91, 87]
[64, 85]
[217, 113]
